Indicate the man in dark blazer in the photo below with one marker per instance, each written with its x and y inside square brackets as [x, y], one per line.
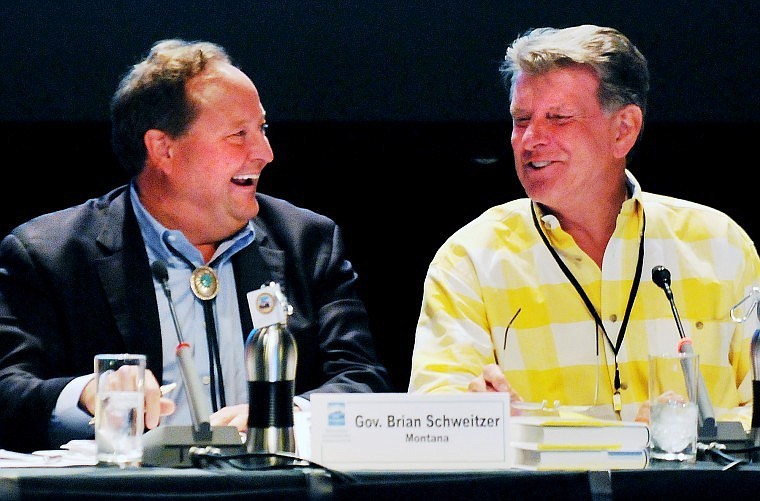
[78, 282]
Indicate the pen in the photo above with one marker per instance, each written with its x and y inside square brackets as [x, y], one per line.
[165, 390]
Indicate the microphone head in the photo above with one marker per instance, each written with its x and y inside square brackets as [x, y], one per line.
[661, 277]
[159, 270]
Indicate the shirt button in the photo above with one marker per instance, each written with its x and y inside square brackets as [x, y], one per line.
[700, 325]
[206, 379]
[613, 318]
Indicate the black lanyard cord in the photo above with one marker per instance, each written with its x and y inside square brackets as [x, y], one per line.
[597, 319]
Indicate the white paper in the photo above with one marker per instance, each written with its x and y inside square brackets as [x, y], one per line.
[396, 431]
[74, 453]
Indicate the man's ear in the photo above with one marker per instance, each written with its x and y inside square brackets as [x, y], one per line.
[158, 146]
[629, 122]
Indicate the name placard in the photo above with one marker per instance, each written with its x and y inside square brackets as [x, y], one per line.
[400, 431]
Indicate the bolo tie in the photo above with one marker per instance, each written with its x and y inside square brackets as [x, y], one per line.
[617, 402]
[205, 285]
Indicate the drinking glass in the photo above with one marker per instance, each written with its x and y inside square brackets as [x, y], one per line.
[119, 408]
[673, 406]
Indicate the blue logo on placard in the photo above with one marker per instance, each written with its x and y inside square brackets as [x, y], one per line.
[336, 414]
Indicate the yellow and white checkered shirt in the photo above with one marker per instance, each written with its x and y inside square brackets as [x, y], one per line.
[498, 265]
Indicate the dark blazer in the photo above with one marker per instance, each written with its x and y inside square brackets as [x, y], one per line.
[77, 282]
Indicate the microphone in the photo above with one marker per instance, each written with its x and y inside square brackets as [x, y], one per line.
[661, 277]
[754, 434]
[709, 429]
[170, 445]
[754, 349]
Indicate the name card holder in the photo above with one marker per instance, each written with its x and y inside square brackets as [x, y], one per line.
[401, 431]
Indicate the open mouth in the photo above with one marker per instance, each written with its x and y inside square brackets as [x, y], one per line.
[245, 180]
[538, 165]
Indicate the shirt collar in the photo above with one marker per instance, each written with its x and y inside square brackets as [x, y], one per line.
[164, 243]
[633, 202]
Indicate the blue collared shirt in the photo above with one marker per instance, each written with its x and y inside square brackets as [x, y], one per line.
[181, 258]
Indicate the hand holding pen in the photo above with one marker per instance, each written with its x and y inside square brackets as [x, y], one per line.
[165, 404]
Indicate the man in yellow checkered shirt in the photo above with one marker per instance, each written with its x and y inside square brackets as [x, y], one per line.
[551, 297]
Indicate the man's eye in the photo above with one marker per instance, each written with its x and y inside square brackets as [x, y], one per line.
[520, 121]
[560, 118]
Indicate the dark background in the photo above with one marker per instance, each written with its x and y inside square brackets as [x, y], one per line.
[388, 116]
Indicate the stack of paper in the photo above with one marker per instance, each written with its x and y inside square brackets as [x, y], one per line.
[74, 453]
[577, 443]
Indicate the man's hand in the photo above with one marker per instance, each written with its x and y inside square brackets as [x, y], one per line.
[155, 405]
[643, 415]
[232, 415]
[645, 409]
[492, 379]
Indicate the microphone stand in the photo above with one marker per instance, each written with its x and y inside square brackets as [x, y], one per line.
[170, 445]
[754, 433]
[709, 430]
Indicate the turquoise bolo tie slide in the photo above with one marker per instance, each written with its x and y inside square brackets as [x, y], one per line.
[204, 283]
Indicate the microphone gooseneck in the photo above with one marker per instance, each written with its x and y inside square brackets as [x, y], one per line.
[199, 410]
[161, 273]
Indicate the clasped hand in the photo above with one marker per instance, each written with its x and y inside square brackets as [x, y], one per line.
[156, 406]
[492, 379]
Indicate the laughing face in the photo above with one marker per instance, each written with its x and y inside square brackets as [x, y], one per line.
[216, 164]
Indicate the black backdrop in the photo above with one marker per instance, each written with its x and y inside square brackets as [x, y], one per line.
[389, 117]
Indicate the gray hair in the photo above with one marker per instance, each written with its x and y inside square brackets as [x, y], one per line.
[622, 69]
